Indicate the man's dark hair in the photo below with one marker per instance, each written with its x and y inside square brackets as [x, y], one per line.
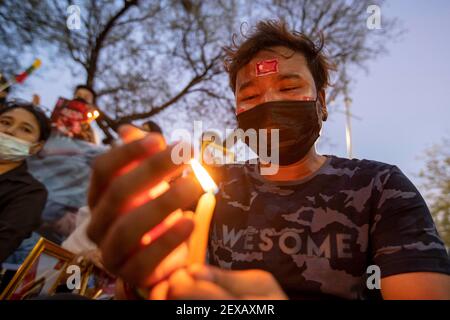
[83, 86]
[273, 33]
[42, 119]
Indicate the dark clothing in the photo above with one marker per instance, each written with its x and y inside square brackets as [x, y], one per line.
[22, 199]
[319, 235]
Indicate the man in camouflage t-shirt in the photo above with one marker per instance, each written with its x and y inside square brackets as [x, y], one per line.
[319, 234]
[320, 222]
[315, 225]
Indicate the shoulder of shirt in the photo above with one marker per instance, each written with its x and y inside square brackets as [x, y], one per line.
[355, 166]
[32, 184]
[37, 185]
[362, 164]
[335, 161]
[230, 167]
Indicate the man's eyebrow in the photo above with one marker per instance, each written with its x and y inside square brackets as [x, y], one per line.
[280, 78]
[289, 76]
[246, 85]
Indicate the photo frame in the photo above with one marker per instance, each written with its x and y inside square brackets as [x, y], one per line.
[39, 273]
[45, 272]
[98, 284]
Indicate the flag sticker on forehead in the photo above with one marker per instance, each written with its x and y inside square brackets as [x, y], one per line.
[265, 67]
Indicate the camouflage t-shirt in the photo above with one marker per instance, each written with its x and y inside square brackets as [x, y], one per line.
[318, 235]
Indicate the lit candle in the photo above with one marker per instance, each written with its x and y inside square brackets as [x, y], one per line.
[198, 240]
[205, 207]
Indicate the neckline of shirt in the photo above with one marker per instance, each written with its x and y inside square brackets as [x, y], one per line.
[255, 174]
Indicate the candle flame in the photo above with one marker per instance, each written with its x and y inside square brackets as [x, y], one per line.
[203, 177]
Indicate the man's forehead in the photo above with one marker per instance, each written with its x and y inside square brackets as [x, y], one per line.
[84, 91]
[285, 60]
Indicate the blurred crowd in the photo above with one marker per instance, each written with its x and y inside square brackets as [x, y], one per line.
[45, 166]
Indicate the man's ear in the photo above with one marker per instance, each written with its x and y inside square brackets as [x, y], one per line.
[34, 149]
[323, 105]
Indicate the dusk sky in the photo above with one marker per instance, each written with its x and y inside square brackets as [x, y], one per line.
[403, 101]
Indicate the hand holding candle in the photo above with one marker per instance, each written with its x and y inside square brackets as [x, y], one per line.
[198, 240]
[121, 221]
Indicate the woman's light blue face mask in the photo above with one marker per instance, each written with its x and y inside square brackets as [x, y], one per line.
[13, 149]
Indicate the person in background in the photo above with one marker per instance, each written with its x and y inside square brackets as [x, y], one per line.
[78, 241]
[23, 132]
[63, 166]
[85, 93]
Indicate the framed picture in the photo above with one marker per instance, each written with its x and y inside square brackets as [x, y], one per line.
[46, 272]
[98, 284]
[39, 273]
[61, 284]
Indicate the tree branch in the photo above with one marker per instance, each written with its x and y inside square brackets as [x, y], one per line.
[184, 91]
[93, 61]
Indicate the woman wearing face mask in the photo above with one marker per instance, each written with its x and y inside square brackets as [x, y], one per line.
[23, 132]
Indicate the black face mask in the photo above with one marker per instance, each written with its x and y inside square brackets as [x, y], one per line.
[297, 122]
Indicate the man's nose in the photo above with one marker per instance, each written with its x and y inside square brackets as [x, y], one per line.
[269, 95]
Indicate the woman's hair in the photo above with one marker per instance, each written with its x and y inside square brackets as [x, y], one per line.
[41, 118]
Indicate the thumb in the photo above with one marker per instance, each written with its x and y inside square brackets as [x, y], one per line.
[129, 133]
[229, 280]
[241, 283]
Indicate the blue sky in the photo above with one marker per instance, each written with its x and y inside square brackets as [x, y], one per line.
[403, 100]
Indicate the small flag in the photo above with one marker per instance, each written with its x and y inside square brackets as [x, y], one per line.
[265, 67]
[22, 76]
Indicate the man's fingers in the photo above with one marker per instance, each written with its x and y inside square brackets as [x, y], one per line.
[139, 268]
[201, 272]
[131, 190]
[183, 286]
[159, 291]
[243, 283]
[129, 133]
[125, 235]
[107, 165]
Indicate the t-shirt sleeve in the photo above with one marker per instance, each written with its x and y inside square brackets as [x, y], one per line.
[403, 235]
